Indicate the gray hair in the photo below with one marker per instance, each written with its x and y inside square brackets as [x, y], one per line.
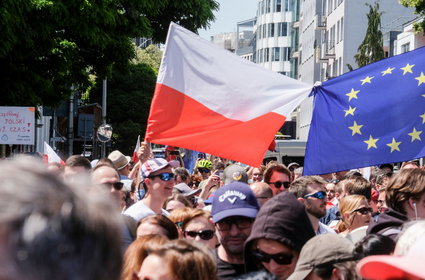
[50, 230]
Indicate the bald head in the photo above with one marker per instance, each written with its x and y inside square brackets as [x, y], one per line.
[262, 192]
[105, 174]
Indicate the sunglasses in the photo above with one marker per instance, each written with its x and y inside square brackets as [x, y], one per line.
[279, 184]
[319, 195]
[203, 234]
[364, 210]
[163, 176]
[117, 185]
[240, 223]
[203, 170]
[280, 258]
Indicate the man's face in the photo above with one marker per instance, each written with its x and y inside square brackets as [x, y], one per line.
[315, 206]
[271, 247]
[205, 173]
[107, 176]
[381, 204]
[330, 191]
[158, 187]
[277, 179]
[233, 232]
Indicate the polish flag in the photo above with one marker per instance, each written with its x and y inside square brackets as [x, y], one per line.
[207, 99]
[135, 159]
[50, 155]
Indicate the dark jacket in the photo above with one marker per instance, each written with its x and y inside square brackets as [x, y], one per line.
[388, 223]
[282, 219]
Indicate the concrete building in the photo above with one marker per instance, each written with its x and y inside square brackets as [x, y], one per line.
[408, 39]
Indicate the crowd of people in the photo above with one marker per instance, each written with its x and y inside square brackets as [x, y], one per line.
[154, 220]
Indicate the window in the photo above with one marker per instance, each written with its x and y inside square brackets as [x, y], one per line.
[286, 54]
[264, 30]
[286, 5]
[275, 54]
[282, 29]
[337, 31]
[342, 29]
[271, 30]
[278, 5]
[267, 6]
[405, 47]
[266, 55]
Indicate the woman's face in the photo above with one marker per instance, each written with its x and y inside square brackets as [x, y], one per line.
[267, 247]
[153, 268]
[361, 216]
[203, 227]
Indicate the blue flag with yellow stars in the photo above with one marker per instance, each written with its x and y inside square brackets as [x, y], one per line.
[369, 116]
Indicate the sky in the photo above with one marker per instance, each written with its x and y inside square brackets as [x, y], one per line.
[231, 12]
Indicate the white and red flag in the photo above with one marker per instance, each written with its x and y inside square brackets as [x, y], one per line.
[50, 155]
[207, 99]
[135, 159]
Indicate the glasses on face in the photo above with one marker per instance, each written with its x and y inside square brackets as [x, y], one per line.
[280, 258]
[279, 184]
[364, 210]
[163, 176]
[203, 234]
[117, 185]
[203, 170]
[240, 223]
[319, 195]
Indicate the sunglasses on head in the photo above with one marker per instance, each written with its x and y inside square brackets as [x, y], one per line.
[279, 184]
[117, 185]
[364, 210]
[163, 176]
[280, 258]
[203, 234]
[203, 170]
[319, 195]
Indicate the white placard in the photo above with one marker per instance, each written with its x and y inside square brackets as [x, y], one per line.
[17, 125]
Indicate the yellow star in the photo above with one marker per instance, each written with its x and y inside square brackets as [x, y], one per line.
[367, 80]
[423, 117]
[407, 69]
[352, 94]
[350, 111]
[371, 142]
[415, 134]
[394, 145]
[421, 79]
[388, 71]
[355, 128]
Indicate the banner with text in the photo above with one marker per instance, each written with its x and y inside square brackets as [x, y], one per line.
[17, 125]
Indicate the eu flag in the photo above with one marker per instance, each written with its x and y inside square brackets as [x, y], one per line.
[370, 116]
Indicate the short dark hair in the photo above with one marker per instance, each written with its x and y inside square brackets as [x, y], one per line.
[358, 185]
[182, 172]
[77, 160]
[275, 167]
[374, 244]
[163, 222]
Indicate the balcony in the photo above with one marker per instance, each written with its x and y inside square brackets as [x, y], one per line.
[325, 51]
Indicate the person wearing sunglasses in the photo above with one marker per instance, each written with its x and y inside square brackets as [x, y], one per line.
[279, 232]
[199, 226]
[109, 179]
[278, 177]
[311, 192]
[355, 213]
[234, 209]
[158, 182]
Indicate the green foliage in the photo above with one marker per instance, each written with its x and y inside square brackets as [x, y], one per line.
[47, 46]
[151, 56]
[130, 93]
[371, 49]
[419, 6]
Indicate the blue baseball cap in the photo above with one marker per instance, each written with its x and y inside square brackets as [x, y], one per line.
[234, 199]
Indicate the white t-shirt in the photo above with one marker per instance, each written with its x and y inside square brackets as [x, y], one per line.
[139, 210]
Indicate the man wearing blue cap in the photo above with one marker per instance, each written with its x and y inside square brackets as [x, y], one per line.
[234, 209]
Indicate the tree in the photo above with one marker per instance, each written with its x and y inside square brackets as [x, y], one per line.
[49, 46]
[151, 56]
[372, 48]
[419, 6]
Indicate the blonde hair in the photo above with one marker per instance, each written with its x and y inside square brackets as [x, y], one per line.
[346, 206]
